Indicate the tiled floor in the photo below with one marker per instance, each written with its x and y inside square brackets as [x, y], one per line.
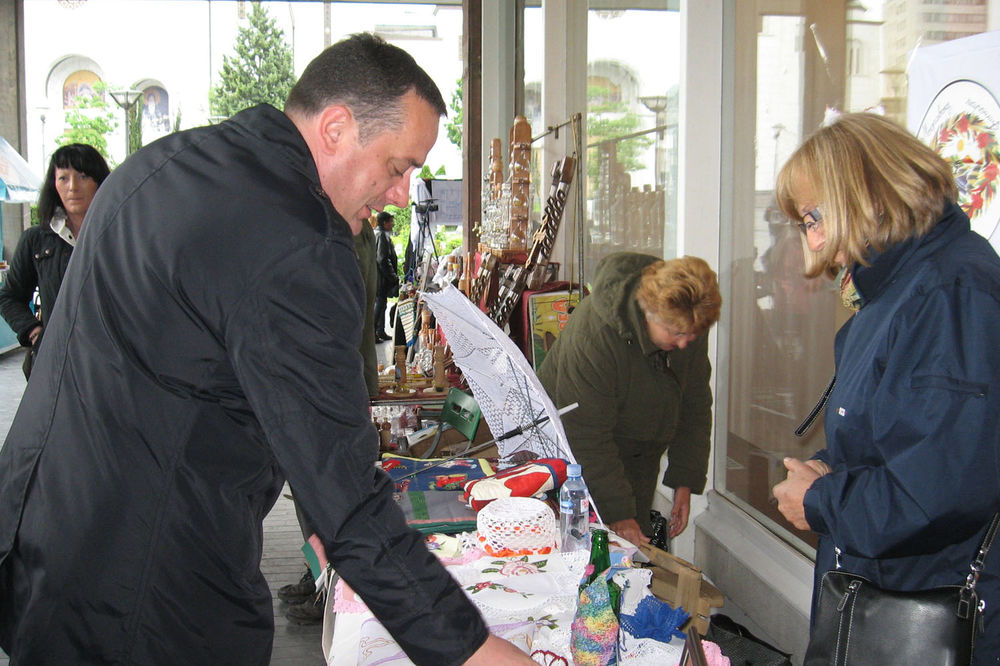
[281, 563]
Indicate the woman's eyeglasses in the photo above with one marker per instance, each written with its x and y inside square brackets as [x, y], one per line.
[812, 220]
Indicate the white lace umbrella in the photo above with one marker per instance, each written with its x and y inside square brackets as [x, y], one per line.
[504, 385]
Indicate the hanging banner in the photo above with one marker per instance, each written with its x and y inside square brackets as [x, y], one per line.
[953, 107]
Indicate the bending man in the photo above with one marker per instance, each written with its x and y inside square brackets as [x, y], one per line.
[203, 349]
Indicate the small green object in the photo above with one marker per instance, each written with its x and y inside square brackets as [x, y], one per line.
[599, 555]
[312, 560]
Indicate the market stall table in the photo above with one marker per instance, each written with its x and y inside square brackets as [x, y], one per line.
[528, 599]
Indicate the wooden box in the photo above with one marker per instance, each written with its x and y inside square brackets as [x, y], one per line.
[680, 583]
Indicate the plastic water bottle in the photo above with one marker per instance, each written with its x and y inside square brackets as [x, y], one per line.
[574, 512]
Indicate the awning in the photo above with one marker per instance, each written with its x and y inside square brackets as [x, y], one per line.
[18, 183]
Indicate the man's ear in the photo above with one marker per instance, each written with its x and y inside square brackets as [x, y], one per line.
[335, 125]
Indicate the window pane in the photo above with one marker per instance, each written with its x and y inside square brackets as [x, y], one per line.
[631, 180]
[794, 64]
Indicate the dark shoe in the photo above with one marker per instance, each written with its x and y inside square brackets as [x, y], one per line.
[309, 611]
[298, 592]
[382, 337]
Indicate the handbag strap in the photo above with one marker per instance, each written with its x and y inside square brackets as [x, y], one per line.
[967, 595]
[977, 564]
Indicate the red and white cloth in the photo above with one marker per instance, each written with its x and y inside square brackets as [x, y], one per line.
[527, 480]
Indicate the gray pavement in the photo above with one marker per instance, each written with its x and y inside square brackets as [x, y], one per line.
[11, 387]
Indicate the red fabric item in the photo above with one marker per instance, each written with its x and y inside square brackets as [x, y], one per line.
[527, 480]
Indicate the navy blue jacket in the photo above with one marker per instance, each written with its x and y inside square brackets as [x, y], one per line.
[913, 424]
[203, 349]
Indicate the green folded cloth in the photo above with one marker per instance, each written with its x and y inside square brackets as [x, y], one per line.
[437, 511]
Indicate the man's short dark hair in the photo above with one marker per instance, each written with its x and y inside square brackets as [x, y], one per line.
[384, 217]
[369, 76]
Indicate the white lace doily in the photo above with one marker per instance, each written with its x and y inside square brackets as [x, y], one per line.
[517, 525]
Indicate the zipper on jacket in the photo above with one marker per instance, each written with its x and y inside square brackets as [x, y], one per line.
[836, 557]
[817, 409]
[851, 589]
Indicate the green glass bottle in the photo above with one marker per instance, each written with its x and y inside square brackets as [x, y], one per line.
[599, 555]
[600, 558]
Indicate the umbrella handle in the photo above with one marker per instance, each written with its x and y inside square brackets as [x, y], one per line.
[480, 447]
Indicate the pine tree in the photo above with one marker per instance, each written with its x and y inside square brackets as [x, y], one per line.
[454, 124]
[260, 71]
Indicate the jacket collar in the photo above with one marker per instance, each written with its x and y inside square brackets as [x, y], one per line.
[636, 325]
[285, 142]
[872, 280]
[271, 125]
[58, 225]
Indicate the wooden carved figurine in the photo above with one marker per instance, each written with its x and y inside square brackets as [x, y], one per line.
[385, 436]
[520, 183]
[465, 282]
[425, 327]
[400, 367]
[440, 379]
[496, 169]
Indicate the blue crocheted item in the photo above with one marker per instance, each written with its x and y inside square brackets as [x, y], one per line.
[655, 619]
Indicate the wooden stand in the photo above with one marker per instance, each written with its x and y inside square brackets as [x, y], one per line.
[679, 583]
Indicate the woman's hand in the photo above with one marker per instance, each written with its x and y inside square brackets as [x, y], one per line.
[791, 492]
[33, 335]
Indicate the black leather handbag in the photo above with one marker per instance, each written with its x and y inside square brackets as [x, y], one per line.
[858, 623]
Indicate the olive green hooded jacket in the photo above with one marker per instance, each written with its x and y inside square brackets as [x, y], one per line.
[636, 401]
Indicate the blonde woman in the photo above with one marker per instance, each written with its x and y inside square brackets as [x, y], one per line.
[910, 476]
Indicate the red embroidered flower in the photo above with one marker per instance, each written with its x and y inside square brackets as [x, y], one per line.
[547, 658]
[990, 172]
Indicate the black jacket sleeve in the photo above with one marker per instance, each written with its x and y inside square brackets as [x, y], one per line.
[18, 286]
[310, 398]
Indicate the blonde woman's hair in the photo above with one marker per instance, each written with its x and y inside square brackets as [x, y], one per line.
[682, 293]
[877, 185]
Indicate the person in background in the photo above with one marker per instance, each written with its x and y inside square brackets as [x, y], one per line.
[910, 476]
[200, 356]
[75, 172]
[634, 355]
[364, 246]
[388, 276]
[304, 602]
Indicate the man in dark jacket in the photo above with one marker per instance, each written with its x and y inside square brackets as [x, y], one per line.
[634, 355]
[388, 276]
[204, 348]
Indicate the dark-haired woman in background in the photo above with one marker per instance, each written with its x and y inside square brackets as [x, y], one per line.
[75, 172]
